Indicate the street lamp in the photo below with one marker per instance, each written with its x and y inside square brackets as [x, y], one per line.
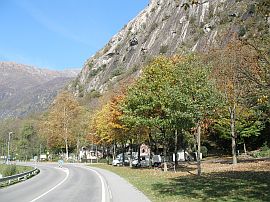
[9, 134]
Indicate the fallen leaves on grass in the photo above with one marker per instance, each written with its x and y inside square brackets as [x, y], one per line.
[222, 181]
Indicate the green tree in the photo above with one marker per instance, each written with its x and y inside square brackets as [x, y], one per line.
[172, 94]
[247, 125]
[196, 84]
[27, 141]
[147, 102]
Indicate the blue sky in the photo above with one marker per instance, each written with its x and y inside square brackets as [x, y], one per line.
[60, 34]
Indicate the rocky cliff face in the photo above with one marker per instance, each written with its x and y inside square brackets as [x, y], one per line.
[25, 89]
[163, 27]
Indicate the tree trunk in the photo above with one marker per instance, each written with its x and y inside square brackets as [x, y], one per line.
[78, 149]
[123, 154]
[97, 154]
[139, 154]
[175, 148]
[199, 149]
[66, 142]
[182, 145]
[107, 155]
[114, 145]
[130, 152]
[151, 153]
[232, 119]
[245, 149]
[165, 158]
[165, 152]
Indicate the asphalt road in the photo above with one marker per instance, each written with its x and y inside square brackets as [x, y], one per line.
[72, 183]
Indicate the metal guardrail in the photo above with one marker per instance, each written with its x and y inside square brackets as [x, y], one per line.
[18, 177]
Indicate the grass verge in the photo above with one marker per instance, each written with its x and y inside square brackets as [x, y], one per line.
[7, 170]
[247, 181]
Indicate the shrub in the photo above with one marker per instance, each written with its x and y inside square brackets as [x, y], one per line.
[10, 170]
[192, 20]
[166, 17]
[242, 31]
[105, 160]
[204, 151]
[163, 49]
[117, 72]
[90, 65]
[153, 27]
[263, 152]
[107, 48]
[94, 72]
[265, 147]
[93, 94]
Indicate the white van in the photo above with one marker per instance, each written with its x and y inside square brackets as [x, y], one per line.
[145, 161]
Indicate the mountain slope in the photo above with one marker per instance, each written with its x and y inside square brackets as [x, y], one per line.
[25, 89]
[164, 27]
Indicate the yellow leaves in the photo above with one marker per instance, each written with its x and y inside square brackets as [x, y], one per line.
[61, 119]
[107, 124]
[263, 99]
[100, 123]
[230, 86]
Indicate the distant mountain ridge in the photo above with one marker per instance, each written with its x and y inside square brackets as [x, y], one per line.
[26, 89]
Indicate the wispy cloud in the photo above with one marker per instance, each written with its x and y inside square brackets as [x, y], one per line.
[50, 24]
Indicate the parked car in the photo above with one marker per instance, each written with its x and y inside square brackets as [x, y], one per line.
[184, 156]
[145, 161]
[119, 161]
[156, 160]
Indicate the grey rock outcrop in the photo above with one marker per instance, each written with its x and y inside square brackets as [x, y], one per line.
[163, 27]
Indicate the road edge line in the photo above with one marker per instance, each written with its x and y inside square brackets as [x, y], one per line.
[103, 198]
[37, 198]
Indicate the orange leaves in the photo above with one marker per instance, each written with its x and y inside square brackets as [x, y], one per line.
[93, 138]
[107, 124]
[115, 112]
[61, 120]
[236, 70]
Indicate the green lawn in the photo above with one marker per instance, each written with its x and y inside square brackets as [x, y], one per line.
[247, 182]
[7, 170]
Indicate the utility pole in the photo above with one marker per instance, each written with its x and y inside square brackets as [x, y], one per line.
[9, 134]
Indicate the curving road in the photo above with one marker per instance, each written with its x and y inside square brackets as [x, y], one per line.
[72, 183]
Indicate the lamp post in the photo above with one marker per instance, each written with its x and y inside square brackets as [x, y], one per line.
[9, 134]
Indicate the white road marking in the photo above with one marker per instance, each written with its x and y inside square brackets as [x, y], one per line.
[66, 170]
[102, 185]
[103, 194]
[110, 192]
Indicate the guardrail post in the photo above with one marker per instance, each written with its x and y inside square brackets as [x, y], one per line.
[8, 180]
